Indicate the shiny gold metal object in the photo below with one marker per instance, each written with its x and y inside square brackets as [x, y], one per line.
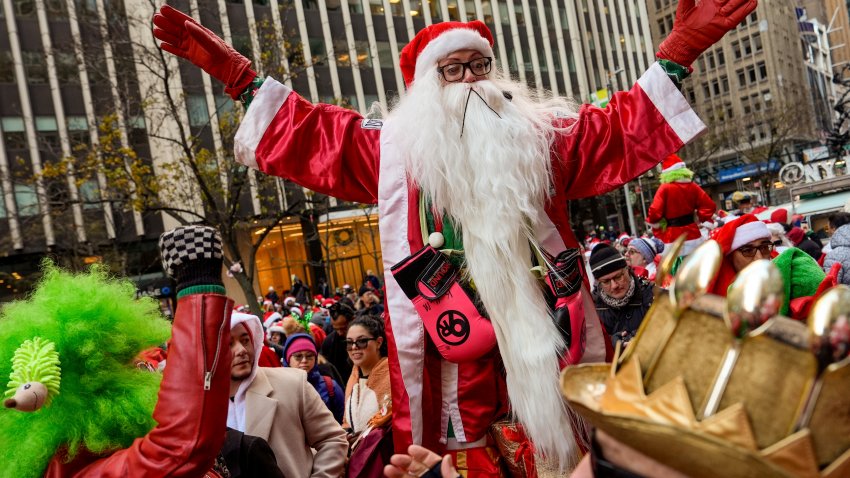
[829, 339]
[696, 274]
[754, 297]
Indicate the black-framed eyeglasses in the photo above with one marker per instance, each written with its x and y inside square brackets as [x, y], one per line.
[359, 344]
[455, 71]
[750, 251]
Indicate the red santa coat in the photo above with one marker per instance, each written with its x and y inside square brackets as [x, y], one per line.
[337, 152]
[679, 199]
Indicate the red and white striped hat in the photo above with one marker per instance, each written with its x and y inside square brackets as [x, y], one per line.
[672, 163]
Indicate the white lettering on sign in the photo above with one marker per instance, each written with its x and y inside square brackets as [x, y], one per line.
[796, 173]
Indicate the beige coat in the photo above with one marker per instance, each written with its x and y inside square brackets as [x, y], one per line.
[283, 408]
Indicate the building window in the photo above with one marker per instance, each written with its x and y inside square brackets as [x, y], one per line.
[751, 74]
[736, 50]
[519, 14]
[762, 68]
[746, 47]
[14, 133]
[721, 58]
[385, 55]
[317, 49]
[26, 199]
[742, 78]
[24, 8]
[724, 84]
[487, 10]
[197, 108]
[7, 67]
[706, 91]
[35, 66]
[757, 42]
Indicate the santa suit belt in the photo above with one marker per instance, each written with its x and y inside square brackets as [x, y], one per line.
[681, 221]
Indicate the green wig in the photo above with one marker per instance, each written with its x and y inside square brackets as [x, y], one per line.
[97, 327]
[676, 175]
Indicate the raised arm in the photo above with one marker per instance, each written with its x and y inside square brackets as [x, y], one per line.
[324, 148]
[605, 148]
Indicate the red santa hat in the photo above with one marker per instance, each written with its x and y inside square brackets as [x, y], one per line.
[672, 163]
[436, 41]
[780, 216]
[739, 232]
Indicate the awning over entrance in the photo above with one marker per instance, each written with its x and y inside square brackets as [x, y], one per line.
[806, 207]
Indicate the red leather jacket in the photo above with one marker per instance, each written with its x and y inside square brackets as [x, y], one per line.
[191, 411]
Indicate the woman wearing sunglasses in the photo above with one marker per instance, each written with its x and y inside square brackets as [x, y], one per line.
[368, 400]
[367, 395]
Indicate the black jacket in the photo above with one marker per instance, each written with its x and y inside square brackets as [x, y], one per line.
[622, 323]
[333, 349]
[248, 456]
[810, 247]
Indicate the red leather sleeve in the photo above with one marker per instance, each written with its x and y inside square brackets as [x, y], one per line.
[191, 421]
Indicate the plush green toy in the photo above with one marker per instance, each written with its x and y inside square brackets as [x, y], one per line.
[78, 336]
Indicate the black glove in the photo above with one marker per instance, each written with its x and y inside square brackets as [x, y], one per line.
[192, 256]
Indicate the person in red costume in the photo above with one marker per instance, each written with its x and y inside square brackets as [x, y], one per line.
[742, 241]
[680, 206]
[472, 173]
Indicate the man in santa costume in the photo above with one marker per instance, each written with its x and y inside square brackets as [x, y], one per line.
[472, 173]
[680, 206]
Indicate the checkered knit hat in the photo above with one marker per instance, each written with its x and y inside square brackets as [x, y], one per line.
[188, 243]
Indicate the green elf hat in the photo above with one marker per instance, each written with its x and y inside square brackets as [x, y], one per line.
[802, 275]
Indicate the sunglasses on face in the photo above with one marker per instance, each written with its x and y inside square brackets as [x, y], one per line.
[359, 344]
[301, 357]
[750, 251]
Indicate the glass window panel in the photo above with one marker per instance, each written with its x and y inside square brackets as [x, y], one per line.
[377, 6]
[487, 10]
[77, 123]
[385, 55]
[354, 6]
[45, 123]
[90, 194]
[396, 8]
[197, 107]
[35, 66]
[26, 200]
[12, 124]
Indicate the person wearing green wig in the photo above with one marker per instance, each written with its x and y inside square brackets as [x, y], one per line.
[802, 276]
[78, 405]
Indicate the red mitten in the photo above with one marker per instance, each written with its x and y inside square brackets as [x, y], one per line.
[181, 35]
[698, 26]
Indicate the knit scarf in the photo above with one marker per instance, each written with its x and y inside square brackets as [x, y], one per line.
[618, 303]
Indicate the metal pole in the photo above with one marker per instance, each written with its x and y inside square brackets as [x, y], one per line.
[642, 202]
[629, 210]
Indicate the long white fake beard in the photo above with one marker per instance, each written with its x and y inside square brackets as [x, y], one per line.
[492, 181]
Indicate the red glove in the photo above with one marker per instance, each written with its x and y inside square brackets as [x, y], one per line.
[699, 26]
[181, 35]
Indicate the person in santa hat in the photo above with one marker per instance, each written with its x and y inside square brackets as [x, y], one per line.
[680, 206]
[480, 166]
[743, 241]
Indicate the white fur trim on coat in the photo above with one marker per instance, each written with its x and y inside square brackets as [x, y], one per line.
[450, 42]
